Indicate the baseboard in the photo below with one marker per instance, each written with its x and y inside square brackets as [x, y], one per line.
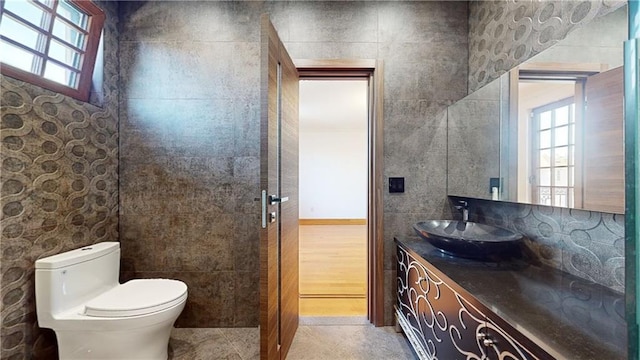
[332, 221]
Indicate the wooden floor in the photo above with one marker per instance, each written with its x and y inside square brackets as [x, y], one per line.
[333, 270]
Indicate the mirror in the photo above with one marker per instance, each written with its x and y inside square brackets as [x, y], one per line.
[534, 138]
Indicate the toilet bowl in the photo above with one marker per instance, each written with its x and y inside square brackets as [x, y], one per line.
[94, 316]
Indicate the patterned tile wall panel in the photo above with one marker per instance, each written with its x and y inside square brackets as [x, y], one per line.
[588, 244]
[503, 34]
[59, 163]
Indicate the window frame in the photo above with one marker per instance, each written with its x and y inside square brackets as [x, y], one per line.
[95, 23]
[572, 123]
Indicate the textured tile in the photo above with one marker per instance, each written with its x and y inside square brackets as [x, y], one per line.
[213, 254]
[423, 22]
[414, 114]
[235, 21]
[246, 128]
[383, 343]
[309, 346]
[205, 75]
[247, 299]
[316, 21]
[424, 183]
[332, 50]
[246, 341]
[137, 252]
[474, 143]
[189, 102]
[210, 296]
[413, 129]
[588, 244]
[602, 27]
[246, 247]
[187, 343]
[246, 167]
[59, 176]
[416, 72]
[310, 342]
[243, 84]
[191, 69]
[348, 342]
[503, 35]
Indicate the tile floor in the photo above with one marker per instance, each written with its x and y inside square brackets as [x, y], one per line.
[334, 342]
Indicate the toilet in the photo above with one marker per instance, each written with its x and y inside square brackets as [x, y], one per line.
[94, 316]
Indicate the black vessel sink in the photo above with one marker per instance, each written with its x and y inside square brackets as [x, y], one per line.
[470, 240]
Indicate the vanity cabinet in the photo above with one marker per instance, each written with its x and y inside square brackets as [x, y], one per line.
[443, 321]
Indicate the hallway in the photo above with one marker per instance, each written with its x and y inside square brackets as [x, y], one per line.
[333, 270]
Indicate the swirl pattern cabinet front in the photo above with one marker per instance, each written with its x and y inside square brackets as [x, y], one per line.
[443, 324]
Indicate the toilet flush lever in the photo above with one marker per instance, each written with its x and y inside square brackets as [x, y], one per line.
[276, 200]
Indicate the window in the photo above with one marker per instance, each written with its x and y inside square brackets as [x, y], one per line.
[554, 154]
[51, 43]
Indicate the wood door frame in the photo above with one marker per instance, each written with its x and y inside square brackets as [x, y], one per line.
[373, 71]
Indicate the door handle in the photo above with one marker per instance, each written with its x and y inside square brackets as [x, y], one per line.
[263, 197]
[276, 200]
[270, 200]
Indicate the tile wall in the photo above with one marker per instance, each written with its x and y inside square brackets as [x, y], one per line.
[189, 143]
[474, 141]
[59, 176]
[588, 244]
[190, 130]
[503, 34]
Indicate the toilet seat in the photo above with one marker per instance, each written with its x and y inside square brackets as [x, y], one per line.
[137, 297]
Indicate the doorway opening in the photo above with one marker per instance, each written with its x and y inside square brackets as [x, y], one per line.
[333, 178]
[368, 74]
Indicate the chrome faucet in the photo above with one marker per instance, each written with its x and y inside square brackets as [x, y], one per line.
[464, 208]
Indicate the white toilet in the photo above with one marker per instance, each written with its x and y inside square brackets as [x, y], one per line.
[95, 317]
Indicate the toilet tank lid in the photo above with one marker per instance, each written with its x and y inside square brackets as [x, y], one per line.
[77, 256]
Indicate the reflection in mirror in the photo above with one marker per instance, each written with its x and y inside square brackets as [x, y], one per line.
[566, 114]
[474, 142]
[570, 154]
[541, 130]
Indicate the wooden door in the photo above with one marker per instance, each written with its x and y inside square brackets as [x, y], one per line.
[603, 177]
[279, 184]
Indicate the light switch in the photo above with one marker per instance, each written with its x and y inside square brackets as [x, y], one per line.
[396, 184]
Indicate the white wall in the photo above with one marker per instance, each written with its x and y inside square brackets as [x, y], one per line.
[333, 154]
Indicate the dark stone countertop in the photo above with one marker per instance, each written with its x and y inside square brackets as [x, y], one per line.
[569, 317]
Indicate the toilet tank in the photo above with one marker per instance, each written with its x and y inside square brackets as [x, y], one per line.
[69, 279]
